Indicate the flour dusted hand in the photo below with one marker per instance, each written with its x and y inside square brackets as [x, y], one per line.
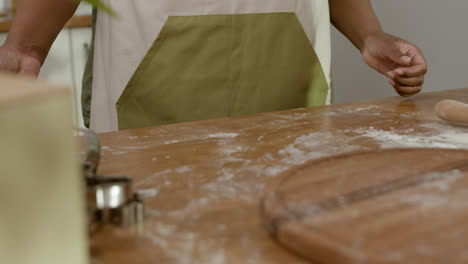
[452, 111]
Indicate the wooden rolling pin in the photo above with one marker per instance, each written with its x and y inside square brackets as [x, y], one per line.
[452, 111]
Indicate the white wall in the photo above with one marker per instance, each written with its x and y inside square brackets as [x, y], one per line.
[67, 58]
[439, 28]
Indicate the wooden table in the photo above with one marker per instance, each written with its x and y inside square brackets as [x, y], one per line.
[203, 181]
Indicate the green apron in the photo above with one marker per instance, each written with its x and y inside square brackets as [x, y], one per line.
[212, 66]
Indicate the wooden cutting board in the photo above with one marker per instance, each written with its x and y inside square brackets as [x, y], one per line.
[42, 218]
[390, 206]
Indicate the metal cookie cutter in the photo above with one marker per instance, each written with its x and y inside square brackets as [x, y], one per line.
[110, 199]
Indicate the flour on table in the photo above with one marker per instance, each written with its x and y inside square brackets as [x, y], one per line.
[148, 193]
[446, 182]
[106, 148]
[275, 170]
[435, 192]
[135, 147]
[223, 135]
[439, 137]
[119, 152]
[426, 200]
[183, 245]
[172, 142]
[152, 212]
[315, 146]
[235, 165]
[233, 149]
[150, 178]
[164, 230]
[225, 174]
[183, 169]
[367, 110]
[292, 116]
[190, 210]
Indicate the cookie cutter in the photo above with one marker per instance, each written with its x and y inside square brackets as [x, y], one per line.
[110, 199]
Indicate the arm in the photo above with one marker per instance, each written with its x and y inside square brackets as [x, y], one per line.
[401, 61]
[355, 19]
[34, 28]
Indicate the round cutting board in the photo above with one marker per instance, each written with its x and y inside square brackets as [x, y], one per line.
[390, 206]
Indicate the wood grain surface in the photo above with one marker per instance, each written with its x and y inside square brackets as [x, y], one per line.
[387, 206]
[204, 181]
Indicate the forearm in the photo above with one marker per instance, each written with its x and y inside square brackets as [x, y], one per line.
[36, 25]
[355, 19]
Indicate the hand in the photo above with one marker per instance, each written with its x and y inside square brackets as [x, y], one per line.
[14, 61]
[402, 62]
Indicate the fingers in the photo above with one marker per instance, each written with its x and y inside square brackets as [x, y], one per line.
[404, 90]
[418, 66]
[413, 51]
[396, 56]
[412, 81]
[408, 91]
[402, 62]
[413, 71]
[408, 81]
[389, 49]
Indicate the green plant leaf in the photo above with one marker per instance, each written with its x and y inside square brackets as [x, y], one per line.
[100, 6]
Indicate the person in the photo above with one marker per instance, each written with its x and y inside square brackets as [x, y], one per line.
[166, 61]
